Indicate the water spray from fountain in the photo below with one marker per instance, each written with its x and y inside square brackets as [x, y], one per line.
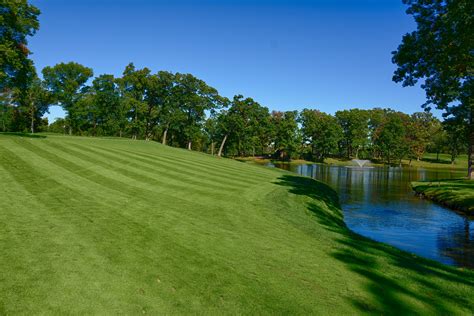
[361, 163]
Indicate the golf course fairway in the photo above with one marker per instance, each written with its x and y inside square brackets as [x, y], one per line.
[115, 226]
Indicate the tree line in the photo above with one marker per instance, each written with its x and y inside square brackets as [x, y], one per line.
[184, 111]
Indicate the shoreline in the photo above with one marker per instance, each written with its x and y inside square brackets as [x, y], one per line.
[457, 194]
[345, 163]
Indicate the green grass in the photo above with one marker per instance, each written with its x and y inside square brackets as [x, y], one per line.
[109, 226]
[429, 161]
[456, 194]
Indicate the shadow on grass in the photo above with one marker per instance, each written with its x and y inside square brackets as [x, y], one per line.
[434, 160]
[396, 282]
[330, 217]
[28, 135]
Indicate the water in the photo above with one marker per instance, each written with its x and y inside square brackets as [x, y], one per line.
[379, 203]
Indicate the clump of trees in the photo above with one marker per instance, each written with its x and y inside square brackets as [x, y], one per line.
[440, 53]
[182, 110]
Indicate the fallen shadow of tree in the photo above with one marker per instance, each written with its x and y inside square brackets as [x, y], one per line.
[397, 282]
[27, 135]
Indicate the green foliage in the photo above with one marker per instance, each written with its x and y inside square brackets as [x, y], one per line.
[59, 126]
[456, 138]
[321, 131]
[107, 109]
[390, 138]
[133, 86]
[421, 126]
[18, 20]
[193, 97]
[355, 129]
[440, 52]
[286, 140]
[244, 127]
[66, 82]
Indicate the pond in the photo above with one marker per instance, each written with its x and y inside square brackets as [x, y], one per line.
[379, 203]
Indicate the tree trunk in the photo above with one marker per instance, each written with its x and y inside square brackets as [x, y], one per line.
[189, 145]
[163, 141]
[470, 151]
[32, 127]
[221, 148]
[212, 148]
[470, 171]
[70, 130]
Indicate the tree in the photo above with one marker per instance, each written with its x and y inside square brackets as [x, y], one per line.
[355, 129]
[58, 126]
[33, 100]
[18, 20]
[211, 133]
[439, 139]
[162, 104]
[440, 53]
[193, 97]
[285, 133]
[6, 110]
[456, 138]
[420, 128]
[391, 136]
[321, 131]
[242, 126]
[66, 82]
[106, 105]
[133, 85]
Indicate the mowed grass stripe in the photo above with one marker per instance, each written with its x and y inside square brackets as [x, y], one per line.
[162, 169]
[44, 188]
[191, 158]
[102, 176]
[86, 239]
[200, 260]
[61, 240]
[215, 169]
[138, 174]
[28, 264]
[216, 215]
[214, 172]
[112, 172]
[66, 178]
[197, 159]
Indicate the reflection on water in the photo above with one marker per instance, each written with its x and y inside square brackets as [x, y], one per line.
[379, 203]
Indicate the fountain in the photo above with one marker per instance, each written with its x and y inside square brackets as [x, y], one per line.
[360, 163]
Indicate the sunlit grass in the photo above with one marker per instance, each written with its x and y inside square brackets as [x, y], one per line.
[457, 194]
[114, 226]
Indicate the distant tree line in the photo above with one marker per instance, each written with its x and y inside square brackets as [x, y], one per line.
[184, 111]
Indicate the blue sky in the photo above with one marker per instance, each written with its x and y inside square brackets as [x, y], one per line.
[322, 54]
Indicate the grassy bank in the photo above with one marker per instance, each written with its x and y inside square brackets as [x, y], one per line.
[106, 226]
[456, 194]
[429, 161]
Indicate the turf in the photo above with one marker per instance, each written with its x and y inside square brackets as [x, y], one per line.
[457, 194]
[108, 226]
